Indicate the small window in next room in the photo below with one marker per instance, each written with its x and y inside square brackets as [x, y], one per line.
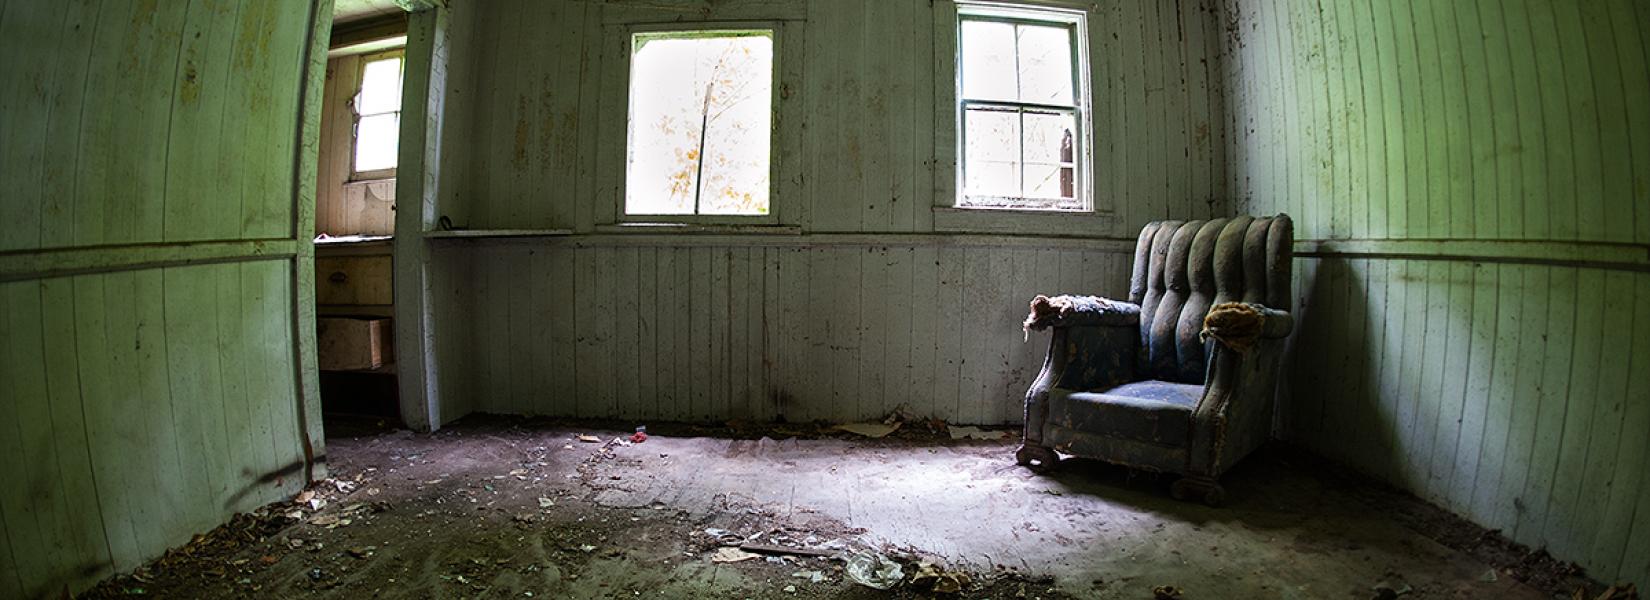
[1022, 110]
[377, 116]
[699, 123]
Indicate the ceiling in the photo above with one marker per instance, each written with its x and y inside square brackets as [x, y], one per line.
[347, 11]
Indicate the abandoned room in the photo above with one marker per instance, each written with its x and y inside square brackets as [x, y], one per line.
[1035, 299]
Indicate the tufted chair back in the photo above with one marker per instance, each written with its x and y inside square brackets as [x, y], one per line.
[1181, 268]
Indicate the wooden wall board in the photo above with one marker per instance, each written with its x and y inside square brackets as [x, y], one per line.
[157, 183]
[1492, 378]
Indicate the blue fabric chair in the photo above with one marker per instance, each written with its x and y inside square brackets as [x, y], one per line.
[1134, 383]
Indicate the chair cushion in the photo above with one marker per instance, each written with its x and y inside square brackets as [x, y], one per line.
[1157, 412]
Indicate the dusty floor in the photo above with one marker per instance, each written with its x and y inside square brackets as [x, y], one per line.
[512, 508]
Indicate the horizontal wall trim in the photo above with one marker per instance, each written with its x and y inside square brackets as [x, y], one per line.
[1597, 255]
[809, 240]
[60, 262]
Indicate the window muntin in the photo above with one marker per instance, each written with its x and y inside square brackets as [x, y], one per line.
[700, 123]
[378, 116]
[1022, 114]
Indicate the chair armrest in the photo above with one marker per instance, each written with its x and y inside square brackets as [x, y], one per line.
[1080, 357]
[1278, 324]
[1235, 413]
[1239, 325]
[1073, 311]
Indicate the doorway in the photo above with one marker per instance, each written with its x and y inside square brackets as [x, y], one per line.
[355, 212]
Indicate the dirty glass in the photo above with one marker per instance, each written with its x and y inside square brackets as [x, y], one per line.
[1021, 114]
[378, 110]
[699, 125]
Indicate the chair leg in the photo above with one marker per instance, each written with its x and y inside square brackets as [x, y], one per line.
[1037, 458]
[1204, 488]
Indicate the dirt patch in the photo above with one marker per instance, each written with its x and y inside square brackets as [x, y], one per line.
[1533, 567]
[516, 511]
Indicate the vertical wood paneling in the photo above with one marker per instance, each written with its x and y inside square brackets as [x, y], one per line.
[865, 150]
[145, 404]
[105, 375]
[1501, 391]
[853, 332]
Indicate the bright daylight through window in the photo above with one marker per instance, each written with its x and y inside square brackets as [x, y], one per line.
[1022, 111]
[700, 109]
[378, 115]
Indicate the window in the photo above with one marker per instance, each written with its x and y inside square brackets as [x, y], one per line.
[1022, 112]
[378, 116]
[699, 127]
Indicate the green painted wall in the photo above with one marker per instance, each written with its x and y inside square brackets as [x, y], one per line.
[1471, 184]
[156, 301]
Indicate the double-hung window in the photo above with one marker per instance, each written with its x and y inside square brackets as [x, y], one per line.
[1022, 109]
[377, 116]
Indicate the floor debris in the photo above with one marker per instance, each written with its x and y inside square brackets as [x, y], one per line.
[1619, 591]
[970, 432]
[773, 549]
[609, 520]
[935, 578]
[870, 430]
[730, 554]
[1386, 590]
[874, 570]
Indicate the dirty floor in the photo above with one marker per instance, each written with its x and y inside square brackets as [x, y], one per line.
[496, 507]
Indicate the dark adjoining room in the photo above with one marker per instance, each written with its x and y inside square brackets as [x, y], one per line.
[928, 299]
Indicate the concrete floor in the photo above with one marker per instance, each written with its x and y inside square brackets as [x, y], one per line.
[508, 508]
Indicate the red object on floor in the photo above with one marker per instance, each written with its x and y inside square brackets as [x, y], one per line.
[638, 437]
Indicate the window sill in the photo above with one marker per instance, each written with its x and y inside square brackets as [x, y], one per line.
[371, 177]
[472, 234]
[697, 228]
[1036, 222]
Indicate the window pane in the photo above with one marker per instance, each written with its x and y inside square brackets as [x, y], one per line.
[375, 142]
[1050, 137]
[1045, 64]
[1046, 181]
[991, 161]
[988, 60]
[700, 116]
[380, 87]
[1050, 151]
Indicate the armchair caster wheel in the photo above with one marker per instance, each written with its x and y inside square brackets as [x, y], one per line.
[1037, 458]
[1207, 490]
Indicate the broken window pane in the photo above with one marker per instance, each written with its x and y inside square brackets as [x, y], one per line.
[700, 115]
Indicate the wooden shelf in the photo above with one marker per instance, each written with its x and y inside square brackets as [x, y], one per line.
[386, 369]
[354, 240]
[466, 234]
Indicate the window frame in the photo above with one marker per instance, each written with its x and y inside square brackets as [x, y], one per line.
[777, 32]
[1075, 21]
[356, 175]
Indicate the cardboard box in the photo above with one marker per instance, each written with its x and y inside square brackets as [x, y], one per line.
[353, 343]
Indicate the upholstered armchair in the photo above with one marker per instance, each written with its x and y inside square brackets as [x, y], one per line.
[1145, 383]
